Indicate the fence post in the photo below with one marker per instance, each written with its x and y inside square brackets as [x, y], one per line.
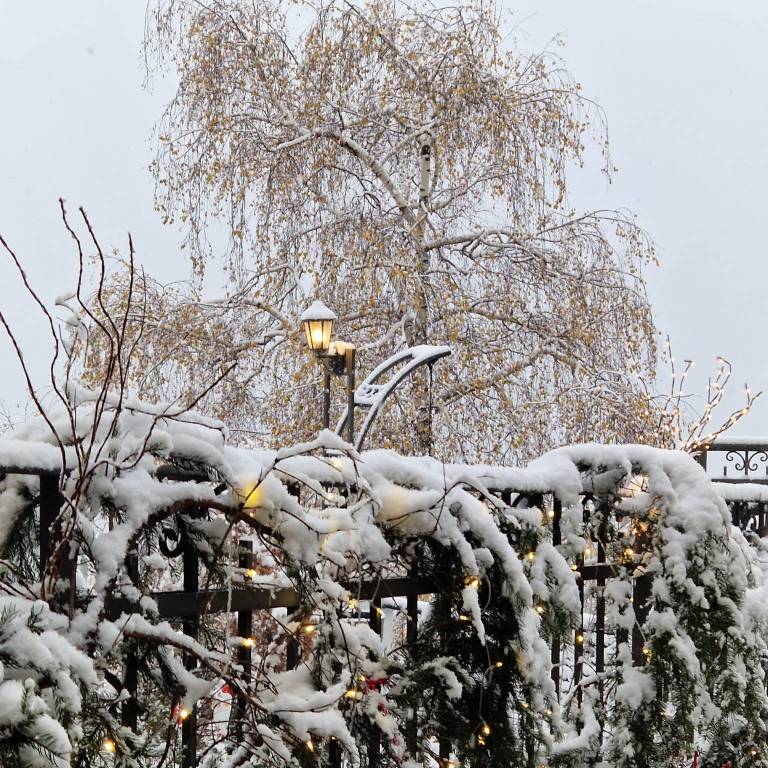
[190, 626]
[411, 636]
[600, 602]
[557, 510]
[293, 651]
[130, 709]
[244, 629]
[374, 744]
[641, 593]
[50, 504]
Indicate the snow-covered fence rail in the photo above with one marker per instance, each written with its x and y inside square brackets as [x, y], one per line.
[572, 610]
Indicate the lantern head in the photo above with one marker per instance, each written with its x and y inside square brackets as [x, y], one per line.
[318, 321]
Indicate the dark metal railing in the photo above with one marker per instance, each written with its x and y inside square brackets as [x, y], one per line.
[744, 458]
[590, 643]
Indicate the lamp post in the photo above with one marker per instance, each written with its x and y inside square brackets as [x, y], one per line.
[337, 358]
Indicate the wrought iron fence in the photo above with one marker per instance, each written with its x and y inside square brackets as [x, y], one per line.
[590, 650]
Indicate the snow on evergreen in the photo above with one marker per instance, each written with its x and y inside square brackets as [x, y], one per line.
[323, 520]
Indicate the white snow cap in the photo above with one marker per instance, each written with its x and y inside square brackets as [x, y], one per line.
[317, 311]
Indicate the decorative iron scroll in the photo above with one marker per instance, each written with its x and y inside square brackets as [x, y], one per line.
[746, 461]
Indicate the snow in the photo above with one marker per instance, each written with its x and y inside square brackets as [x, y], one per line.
[696, 562]
[317, 311]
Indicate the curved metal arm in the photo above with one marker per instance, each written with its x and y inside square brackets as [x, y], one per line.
[372, 394]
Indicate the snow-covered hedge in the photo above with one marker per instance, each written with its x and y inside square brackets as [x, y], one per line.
[323, 521]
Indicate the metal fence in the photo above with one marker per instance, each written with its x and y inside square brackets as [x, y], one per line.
[590, 649]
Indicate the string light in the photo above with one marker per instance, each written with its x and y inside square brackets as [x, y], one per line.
[247, 642]
[308, 628]
[353, 694]
[251, 573]
[499, 664]
[648, 653]
[464, 617]
[352, 603]
[309, 745]
[486, 729]
[473, 582]
[539, 609]
[184, 713]
[531, 555]
[108, 746]
[579, 639]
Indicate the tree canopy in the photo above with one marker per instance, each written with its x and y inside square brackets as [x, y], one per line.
[409, 166]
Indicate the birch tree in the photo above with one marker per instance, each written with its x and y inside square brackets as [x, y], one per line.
[408, 165]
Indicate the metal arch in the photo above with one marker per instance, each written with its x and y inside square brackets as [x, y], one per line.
[372, 394]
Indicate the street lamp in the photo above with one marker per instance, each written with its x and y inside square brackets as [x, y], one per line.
[337, 358]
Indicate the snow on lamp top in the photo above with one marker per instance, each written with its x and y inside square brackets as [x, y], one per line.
[318, 320]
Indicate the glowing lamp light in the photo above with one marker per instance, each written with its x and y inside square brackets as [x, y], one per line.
[184, 713]
[108, 746]
[251, 495]
[318, 322]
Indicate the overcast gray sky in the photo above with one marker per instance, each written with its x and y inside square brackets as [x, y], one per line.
[682, 83]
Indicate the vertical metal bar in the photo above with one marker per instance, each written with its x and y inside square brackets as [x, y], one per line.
[600, 614]
[190, 626]
[334, 754]
[557, 509]
[411, 636]
[579, 639]
[293, 650]
[244, 629]
[641, 593]
[374, 743]
[130, 708]
[326, 397]
[50, 504]
[350, 366]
